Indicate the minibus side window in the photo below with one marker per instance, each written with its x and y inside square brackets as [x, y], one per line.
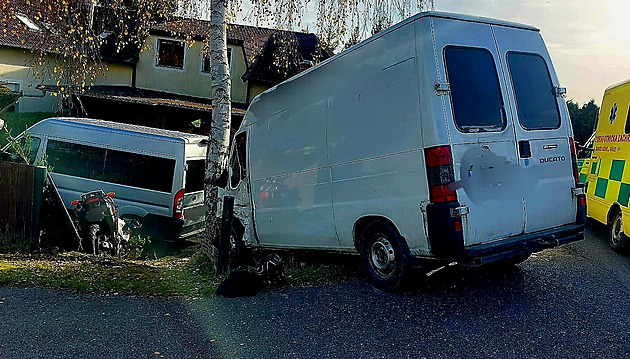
[627, 122]
[125, 168]
[138, 170]
[30, 152]
[475, 91]
[76, 160]
[32, 155]
[536, 101]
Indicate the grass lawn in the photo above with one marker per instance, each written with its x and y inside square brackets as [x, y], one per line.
[18, 122]
[188, 275]
[78, 272]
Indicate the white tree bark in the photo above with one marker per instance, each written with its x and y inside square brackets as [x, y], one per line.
[216, 159]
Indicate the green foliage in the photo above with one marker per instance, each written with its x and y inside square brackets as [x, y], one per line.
[7, 97]
[137, 247]
[7, 245]
[583, 119]
[189, 276]
[21, 121]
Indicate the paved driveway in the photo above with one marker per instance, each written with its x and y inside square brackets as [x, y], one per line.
[568, 302]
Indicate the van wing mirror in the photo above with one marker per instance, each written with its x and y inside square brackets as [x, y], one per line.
[222, 181]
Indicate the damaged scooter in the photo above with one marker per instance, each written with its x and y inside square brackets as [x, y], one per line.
[100, 227]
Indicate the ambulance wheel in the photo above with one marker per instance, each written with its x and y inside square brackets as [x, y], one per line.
[382, 256]
[616, 238]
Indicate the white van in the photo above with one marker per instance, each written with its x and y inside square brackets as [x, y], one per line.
[443, 138]
[157, 175]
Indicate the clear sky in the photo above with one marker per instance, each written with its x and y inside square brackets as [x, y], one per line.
[589, 40]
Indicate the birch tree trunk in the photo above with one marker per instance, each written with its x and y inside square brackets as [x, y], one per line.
[216, 158]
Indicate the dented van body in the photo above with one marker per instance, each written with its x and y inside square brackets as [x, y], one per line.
[443, 138]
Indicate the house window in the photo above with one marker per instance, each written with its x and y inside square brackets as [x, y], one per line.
[170, 53]
[28, 22]
[206, 66]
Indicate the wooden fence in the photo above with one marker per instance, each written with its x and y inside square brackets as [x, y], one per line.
[20, 202]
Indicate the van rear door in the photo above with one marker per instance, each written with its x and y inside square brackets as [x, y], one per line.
[194, 209]
[480, 128]
[542, 128]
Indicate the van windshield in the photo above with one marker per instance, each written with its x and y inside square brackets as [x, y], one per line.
[536, 101]
[195, 175]
[475, 93]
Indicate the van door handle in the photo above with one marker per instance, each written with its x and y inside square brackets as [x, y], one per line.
[524, 149]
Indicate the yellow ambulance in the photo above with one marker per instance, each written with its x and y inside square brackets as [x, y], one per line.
[606, 174]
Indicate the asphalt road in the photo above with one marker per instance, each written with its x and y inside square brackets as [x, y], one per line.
[570, 302]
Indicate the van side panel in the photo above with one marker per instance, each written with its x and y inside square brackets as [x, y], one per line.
[375, 138]
[435, 131]
[290, 178]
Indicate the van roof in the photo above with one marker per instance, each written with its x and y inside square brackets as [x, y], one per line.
[471, 18]
[617, 85]
[436, 14]
[88, 122]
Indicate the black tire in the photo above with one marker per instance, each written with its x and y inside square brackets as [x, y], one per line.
[93, 239]
[616, 238]
[383, 257]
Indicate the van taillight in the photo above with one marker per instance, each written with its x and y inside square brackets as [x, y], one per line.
[576, 174]
[440, 173]
[178, 204]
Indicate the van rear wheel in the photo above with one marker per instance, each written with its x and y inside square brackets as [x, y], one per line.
[616, 238]
[382, 256]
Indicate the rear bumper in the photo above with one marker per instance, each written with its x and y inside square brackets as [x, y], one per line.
[523, 244]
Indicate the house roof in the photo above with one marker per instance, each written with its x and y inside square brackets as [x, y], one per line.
[148, 97]
[26, 26]
[294, 48]
[16, 33]
[262, 46]
[252, 38]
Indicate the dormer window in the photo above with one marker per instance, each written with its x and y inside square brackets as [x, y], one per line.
[170, 54]
[206, 66]
[28, 22]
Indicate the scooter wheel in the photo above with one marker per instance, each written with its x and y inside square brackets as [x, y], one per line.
[94, 238]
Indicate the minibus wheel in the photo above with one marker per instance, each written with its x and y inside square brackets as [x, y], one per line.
[616, 238]
[382, 256]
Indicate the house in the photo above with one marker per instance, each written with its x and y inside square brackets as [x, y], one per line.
[167, 85]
